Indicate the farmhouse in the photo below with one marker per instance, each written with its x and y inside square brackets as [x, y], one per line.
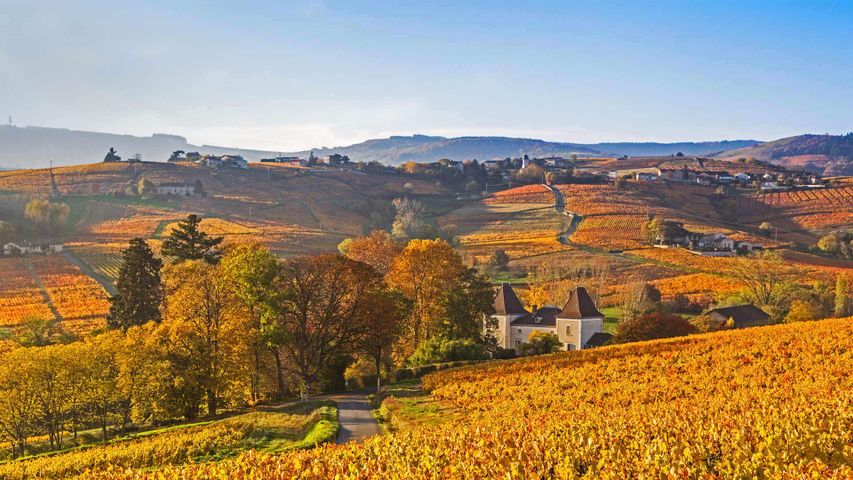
[741, 316]
[175, 188]
[578, 324]
[30, 249]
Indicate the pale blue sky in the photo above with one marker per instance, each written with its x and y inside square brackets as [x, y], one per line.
[296, 74]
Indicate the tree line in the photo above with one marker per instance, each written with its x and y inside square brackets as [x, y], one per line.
[203, 328]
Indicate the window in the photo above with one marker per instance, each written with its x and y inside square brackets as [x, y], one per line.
[519, 330]
[517, 343]
[570, 347]
[568, 329]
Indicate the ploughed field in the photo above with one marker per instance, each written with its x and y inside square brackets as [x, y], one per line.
[771, 402]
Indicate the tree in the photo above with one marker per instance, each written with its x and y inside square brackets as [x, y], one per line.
[324, 310]
[139, 289]
[425, 271]
[252, 271]
[651, 326]
[112, 156]
[204, 327]
[639, 298]
[767, 277]
[389, 308]
[766, 228]
[468, 302]
[100, 373]
[378, 249]
[188, 242]
[441, 350]
[19, 414]
[842, 307]
[530, 174]
[803, 311]
[146, 187]
[40, 332]
[46, 214]
[177, 156]
[499, 260]
[704, 324]
[7, 232]
[540, 343]
[410, 221]
[199, 189]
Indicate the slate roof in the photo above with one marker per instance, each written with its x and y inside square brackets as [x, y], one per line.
[743, 315]
[580, 305]
[598, 339]
[542, 317]
[507, 302]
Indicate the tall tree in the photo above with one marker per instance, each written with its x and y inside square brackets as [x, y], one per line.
[842, 296]
[388, 309]
[325, 310]
[204, 328]
[140, 291]
[252, 270]
[47, 215]
[188, 242]
[467, 304]
[424, 272]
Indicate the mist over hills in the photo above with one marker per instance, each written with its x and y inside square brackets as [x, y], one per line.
[36, 147]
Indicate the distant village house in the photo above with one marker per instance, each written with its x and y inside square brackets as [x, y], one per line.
[176, 188]
[12, 248]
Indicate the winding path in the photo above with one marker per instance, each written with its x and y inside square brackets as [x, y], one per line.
[560, 206]
[356, 421]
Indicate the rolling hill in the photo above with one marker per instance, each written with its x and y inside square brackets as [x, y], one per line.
[36, 147]
[824, 154]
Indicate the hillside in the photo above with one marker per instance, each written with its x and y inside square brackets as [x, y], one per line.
[422, 148]
[36, 147]
[826, 154]
[771, 402]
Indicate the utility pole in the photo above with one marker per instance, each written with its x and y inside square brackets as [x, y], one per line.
[10, 121]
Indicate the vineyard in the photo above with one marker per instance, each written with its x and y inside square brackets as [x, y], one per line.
[772, 402]
[807, 209]
[34, 285]
[299, 426]
[20, 295]
[507, 222]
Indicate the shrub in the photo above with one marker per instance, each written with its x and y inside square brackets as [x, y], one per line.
[540, 343]
[651, 326]
[439, 350]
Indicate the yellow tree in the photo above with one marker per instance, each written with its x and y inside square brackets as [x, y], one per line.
[205, 325]
[18, 407]
[424, 272]
[377, 250]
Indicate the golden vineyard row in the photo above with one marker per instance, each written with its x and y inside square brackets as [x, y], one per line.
[772, 402]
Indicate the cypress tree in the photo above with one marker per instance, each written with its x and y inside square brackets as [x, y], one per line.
[139, 289]
[188, 242]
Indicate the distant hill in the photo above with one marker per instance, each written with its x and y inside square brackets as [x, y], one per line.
[826, 154]
[423, 148]
[35, 147]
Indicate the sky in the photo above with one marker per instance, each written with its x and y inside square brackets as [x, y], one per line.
[290, 75]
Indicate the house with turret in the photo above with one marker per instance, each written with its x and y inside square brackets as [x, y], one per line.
[578, 324]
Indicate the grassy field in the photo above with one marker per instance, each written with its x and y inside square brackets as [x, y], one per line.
[268, 430]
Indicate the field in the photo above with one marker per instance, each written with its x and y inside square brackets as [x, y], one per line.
[804, 209]
[772, 402]
[51, 287]
[521, 221]
[268, 430]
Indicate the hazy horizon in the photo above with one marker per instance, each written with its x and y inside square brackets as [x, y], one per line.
[288, 76]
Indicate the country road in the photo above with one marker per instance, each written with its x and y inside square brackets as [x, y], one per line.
[357, 423]
[560, 206]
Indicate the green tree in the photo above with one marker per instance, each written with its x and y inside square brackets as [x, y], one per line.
[252, 271]
[140, 292]
[499, 260]
[540, 343]
[188, 242]
[467, 304]
[40, 332]
[767, 277]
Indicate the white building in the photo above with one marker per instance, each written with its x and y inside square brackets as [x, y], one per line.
[578, 324]
[171, 188]
[29, 249]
